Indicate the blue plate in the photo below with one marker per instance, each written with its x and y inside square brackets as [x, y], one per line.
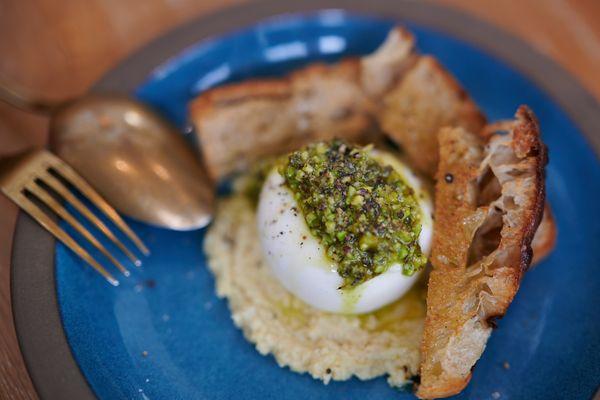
[163, 334]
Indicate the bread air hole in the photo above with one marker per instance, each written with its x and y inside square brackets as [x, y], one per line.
[487, 236]
[488, 188]
[486, 239]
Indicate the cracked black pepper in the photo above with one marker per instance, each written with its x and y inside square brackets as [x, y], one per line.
[365, 214]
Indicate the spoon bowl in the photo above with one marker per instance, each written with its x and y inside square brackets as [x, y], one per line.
[135, 159]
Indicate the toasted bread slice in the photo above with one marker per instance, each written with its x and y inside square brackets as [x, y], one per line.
[426, 99]
[545, 236]
[381, 70]
[238, 124]
[489, 203]
[329, 102]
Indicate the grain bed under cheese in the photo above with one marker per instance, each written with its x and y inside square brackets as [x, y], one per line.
[327, 346]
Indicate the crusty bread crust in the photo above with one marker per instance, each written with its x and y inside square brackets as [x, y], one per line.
[381, 70]
[545, 237]
[425, 100]
[231, 94]
[496, 193]
[237, 124]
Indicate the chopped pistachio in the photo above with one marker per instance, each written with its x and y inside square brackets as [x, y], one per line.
[365, 214]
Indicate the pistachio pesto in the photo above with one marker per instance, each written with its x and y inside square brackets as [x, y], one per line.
[365, 214]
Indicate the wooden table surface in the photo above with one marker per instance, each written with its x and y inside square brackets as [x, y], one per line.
[53, 50]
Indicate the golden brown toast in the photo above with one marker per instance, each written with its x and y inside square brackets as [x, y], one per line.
[237, 124]
[240, 123]
[329, 102]
[411, 97]
[417, 101]
[383, 68]
[426, 99]
[489, 204]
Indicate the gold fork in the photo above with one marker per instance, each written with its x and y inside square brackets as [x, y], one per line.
[37, 176]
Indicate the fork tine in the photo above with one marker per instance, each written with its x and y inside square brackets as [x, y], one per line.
[55, 206]
[68, 173]
[52, 227]
[66, 194]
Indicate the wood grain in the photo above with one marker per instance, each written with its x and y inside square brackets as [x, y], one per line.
[564, 30]
[54, 52]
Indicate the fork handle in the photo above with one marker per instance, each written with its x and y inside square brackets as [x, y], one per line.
[23, 102]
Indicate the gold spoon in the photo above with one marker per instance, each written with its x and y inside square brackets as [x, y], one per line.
[135, 159]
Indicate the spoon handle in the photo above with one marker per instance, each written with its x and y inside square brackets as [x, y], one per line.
[23, 102]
